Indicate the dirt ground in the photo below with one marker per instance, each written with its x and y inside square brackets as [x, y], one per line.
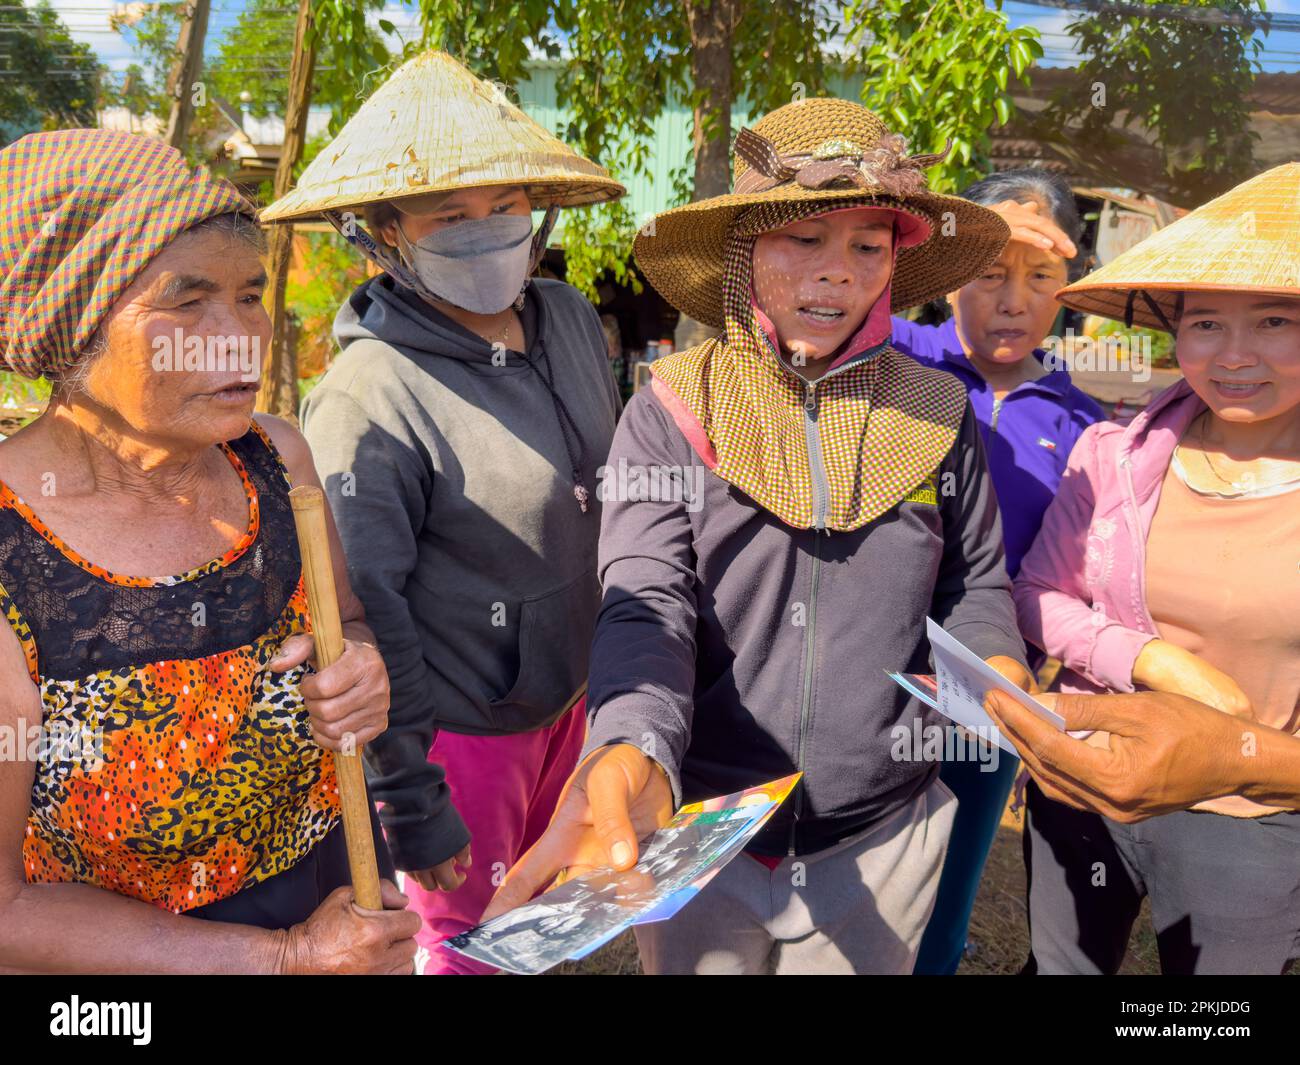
[999, 936]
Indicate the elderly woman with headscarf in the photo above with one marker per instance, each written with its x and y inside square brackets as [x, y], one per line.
[176, 810]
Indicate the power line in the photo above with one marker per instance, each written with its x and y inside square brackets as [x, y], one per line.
[1207, 15]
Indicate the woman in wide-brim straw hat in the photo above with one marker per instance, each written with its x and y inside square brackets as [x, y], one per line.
[458, 433]
[170, 808]
[1169, 561]
[834, 493]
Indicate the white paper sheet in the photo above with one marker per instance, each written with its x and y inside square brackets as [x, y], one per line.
[965, 679]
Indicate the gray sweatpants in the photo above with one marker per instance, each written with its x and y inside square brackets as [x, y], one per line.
[1224, 891]
[857, 907]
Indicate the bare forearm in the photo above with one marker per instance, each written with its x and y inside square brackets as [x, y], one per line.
[77, 928]
[359, 632]
[1272, 776]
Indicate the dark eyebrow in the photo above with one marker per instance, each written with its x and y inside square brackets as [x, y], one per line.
[183, 283]
[258, 280]
[453, 203]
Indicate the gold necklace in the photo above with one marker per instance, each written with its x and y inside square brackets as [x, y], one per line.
[500, 336]
[1248, 483]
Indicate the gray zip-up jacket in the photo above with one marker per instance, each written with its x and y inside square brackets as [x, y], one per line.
[451, 482]
[735, 649]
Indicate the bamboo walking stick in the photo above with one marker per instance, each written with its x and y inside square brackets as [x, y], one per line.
[322, 599]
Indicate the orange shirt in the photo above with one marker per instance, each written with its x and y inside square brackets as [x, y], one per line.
[1223, 582]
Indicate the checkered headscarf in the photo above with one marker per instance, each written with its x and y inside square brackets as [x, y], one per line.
[82, 213]
[884, 424]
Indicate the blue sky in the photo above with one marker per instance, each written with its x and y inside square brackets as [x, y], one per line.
[89, 22]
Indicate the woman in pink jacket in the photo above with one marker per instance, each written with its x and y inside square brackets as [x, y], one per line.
[1170, 561]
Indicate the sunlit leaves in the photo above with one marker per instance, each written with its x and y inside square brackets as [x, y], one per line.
[939, 72]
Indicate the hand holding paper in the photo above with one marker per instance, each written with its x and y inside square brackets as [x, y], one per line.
[962, 681]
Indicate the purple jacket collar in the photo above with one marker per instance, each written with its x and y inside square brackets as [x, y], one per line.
[1054, 382]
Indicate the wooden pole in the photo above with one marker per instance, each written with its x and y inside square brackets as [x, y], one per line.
[185, 71]
[322, 600]
[278, 393]
[712, 26]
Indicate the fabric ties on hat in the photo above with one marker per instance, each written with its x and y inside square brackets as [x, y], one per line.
[884, 424]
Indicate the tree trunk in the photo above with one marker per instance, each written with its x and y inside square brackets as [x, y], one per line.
[712, 23]
[278, 393]
[185, 71]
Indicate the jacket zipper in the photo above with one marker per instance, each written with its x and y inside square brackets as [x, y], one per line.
[806, 701]
[821, 503]
[1139, 546]
[816, 466]
[997, 409]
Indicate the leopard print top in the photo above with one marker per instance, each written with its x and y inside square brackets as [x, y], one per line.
[172, 766]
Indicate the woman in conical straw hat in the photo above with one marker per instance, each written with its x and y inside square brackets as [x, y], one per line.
[458, 433]
[833, 493]
[1170, 561]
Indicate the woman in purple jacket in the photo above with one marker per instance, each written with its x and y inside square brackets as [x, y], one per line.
[833, 493]
[1029, 415]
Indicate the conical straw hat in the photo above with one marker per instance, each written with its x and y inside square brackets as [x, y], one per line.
[833, 151]
[1247, 240]
[433, 127]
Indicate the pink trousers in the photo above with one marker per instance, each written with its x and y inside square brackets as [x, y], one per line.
[505, 788]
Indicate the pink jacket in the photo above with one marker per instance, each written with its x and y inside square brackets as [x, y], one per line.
[1081, 591]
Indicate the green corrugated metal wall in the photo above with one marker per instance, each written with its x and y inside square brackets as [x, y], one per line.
[650, 193]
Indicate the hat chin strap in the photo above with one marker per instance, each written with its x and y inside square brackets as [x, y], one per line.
[1133, 293]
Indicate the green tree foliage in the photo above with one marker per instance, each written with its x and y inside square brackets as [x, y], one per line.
[47, 80]
[939, 71]
[153, 38]
[627, 61]
[1169, 76]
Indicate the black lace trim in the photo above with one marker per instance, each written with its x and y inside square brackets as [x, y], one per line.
[83, 624]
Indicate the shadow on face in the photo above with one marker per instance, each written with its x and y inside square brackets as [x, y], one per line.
[184, 344]
[819, 278]
[420, 216]
[1240, 352]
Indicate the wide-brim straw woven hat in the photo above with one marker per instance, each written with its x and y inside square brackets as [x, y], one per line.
[433, 127]
[1247, 240]
[820, 149]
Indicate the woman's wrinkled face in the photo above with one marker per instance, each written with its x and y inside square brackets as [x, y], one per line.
[818, 279]
[1240, 352]
[185, 343]
[422, 217]
[1004, 314]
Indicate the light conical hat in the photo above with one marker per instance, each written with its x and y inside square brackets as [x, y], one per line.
[1247, 240]
[432, 127]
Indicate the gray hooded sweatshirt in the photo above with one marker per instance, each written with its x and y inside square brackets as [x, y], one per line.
[451, 480]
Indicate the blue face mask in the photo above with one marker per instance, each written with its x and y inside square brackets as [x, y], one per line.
[480, 265]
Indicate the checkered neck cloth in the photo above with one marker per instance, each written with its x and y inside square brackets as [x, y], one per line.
[82, 213]
[884, 424]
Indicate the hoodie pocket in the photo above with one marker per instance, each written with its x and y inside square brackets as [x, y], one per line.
[555, 631]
